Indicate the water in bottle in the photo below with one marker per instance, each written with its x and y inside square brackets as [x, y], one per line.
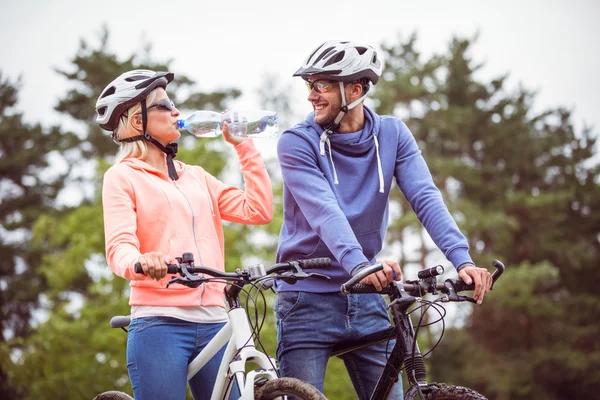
[242, 123]
[202, 124]
[252, 123]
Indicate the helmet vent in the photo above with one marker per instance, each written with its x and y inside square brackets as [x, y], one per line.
[108, 92]
[323, 54]
[136, 78]
[361, 50]
[338, 57]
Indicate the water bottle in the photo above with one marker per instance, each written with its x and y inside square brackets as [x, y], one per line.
[242, 123]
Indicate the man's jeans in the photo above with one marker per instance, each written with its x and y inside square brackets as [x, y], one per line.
[159, 350]
[310, 324]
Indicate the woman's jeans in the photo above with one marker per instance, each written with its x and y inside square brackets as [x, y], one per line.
[310, 324]
[159, 350]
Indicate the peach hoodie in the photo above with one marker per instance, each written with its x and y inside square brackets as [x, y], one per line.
[145, 211]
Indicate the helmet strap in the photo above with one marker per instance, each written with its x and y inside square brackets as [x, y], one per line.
[170, 150]
[331, 128]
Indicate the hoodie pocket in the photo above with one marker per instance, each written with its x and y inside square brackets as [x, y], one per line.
[370, 243]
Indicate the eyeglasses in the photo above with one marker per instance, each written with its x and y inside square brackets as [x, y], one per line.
[320, 85]
[163, 105]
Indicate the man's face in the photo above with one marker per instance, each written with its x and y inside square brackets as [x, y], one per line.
[325, 98]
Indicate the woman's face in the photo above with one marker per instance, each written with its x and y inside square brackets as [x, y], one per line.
[162, 118]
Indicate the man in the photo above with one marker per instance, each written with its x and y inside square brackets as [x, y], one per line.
[337, 167]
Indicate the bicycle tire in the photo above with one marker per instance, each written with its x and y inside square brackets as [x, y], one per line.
[277, 388]
[113, 395]
[441, 391]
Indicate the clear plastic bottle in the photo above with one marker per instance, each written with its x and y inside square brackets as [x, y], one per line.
[243, 123]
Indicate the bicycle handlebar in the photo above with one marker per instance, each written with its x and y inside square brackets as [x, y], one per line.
[291, 270]
[418, 287]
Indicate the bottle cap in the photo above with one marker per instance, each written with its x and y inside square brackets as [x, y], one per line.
[180, 123]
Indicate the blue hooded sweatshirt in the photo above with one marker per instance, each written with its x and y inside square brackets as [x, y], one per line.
[335, 197]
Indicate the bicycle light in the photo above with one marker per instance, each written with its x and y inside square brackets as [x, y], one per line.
[430, 272]
[257, 271]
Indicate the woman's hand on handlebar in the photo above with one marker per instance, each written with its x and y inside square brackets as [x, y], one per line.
[154, 264]
[480, 277]
[390, 272]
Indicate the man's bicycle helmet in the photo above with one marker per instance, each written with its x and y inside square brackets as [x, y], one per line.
[128, 89]
[343, 61]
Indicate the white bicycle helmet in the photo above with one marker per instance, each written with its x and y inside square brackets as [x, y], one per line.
[343, 61]
[125, 91]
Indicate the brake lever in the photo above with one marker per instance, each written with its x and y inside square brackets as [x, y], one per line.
[293, 277]
[316, 275]
[453, 296]
[466, 298]
[186, 282]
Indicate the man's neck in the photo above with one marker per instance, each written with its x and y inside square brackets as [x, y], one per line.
[353, 121]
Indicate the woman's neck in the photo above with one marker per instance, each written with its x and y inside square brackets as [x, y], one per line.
[157, 159]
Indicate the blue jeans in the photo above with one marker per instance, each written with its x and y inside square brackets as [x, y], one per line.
[310, 324]
[159, 350]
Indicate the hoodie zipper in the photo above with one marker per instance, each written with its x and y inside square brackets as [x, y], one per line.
[193, 234]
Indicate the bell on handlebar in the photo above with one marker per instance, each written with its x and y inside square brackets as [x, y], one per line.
[430, 272]
[187, 257]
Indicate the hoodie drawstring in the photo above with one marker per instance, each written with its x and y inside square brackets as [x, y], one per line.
[335, 178]
[212, 211]
[160, 187]
[379, 169]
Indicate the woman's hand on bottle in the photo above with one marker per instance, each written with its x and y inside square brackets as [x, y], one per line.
[234, 140]
[154, 264]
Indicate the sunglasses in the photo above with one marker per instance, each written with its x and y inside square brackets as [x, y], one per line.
[163, 105]
[320, 85]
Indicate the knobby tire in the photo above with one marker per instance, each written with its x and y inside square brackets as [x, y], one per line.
[277, 388]
[441, 391]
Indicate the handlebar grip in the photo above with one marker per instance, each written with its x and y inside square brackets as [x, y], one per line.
[171, 268]
[323, 262]
[363, 289]
[346, 287]
[460, 286]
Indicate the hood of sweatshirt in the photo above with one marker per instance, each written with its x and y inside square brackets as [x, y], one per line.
[141, 165]
[349, 144]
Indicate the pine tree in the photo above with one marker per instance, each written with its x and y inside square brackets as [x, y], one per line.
[28, 188]
[524, 188]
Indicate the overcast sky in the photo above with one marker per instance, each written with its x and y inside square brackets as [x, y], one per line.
[551, 46]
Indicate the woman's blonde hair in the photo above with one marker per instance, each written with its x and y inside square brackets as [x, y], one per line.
[137, 148]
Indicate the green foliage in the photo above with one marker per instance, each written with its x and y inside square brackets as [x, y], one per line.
[524, 189]
[80, 294]
[522, 186]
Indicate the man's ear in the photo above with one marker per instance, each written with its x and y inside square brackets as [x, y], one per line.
[356, 90]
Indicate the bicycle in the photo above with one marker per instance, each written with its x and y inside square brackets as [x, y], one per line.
[406, 354]
[239, 334]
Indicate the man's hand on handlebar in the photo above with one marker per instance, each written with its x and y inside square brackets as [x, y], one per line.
[154, 264]
[390, 272]
[480, 277]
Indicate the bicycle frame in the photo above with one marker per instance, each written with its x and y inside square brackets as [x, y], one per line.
[404, 334]
[237, 335]
[406, 353]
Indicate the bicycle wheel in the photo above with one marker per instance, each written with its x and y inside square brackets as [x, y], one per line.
[113, 395]
[441, 391]
[277, 388]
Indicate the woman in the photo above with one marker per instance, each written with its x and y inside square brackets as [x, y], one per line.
[155, 209]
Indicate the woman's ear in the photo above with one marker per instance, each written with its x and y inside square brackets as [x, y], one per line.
[136, 122]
